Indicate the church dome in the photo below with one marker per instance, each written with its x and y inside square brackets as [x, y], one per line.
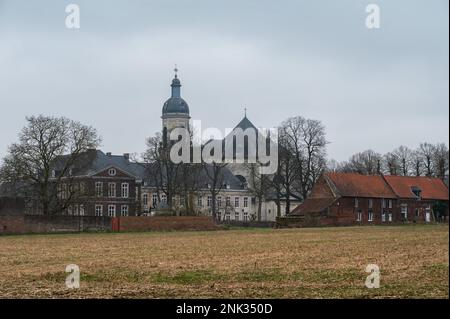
[175, 105]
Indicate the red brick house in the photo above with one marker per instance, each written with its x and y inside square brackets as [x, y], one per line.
[420, 199]
[341, 199]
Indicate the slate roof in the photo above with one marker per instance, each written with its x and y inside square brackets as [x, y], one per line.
[245, 123]
[204, 180]
[175, 105]
[94, 161]
[431, 187]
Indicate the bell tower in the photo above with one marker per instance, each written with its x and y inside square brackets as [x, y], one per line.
[175, 111]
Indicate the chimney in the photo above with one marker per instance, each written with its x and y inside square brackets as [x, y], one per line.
[126, 156]
[108, 154]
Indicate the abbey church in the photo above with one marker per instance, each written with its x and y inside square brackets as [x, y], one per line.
[236, 199]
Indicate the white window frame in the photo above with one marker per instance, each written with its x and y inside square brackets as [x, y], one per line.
[228, 201]
[125, 190]
[64, 190]
[112, 210]
[404, 212]
[99, 189]
[200, 201]
[124, 210]
[154, 200]
[245, 216]
[370, 216]
[98, 210]
[145, 200]
[112, 172]
[390, 203]
[219, 201]
[356, 202]
[112, 190]
[237, 201]
[164, 198]
[245, 201]
[358, 216]
[209, 201]
[370, 204]
[238, 215]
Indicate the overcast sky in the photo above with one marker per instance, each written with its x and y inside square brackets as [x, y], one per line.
[372, 88]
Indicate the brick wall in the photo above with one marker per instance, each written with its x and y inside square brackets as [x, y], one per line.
[250, 223]
[163, 223]
[47, 224]
[12, 224]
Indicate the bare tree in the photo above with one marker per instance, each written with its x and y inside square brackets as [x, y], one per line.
[404, 156]
[366, 163]
[440, 160]
[391, 163]
[426, 151]
[416, 162]
[161, 168]
[45, 158]
[428, 159]
[302, 154]
[215, 174]
[189, 182]
[259, 185]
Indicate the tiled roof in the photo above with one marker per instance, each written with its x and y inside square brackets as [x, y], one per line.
[356, 185]
[313, 205]
[430, 187]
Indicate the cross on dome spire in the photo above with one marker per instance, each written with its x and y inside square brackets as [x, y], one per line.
[176, 71]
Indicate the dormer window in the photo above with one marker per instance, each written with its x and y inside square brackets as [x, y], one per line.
[416, 191]
[112, 172]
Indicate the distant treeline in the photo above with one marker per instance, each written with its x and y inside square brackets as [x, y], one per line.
[426, 160]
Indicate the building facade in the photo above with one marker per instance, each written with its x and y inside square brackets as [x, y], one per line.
[99, 184]
[235, 200]
[342, 199]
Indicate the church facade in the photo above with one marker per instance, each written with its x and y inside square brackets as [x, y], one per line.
[235, 201]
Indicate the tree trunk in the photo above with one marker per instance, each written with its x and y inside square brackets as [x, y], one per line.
[259, 208]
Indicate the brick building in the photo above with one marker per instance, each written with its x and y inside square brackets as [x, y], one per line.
[348, 199]
[98, 184]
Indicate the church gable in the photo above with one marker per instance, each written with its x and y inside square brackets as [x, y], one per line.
[113, 171]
